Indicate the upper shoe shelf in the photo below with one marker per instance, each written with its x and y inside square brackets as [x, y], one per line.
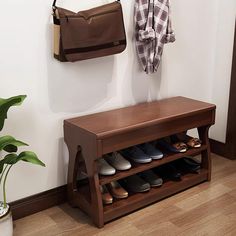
[137, 168]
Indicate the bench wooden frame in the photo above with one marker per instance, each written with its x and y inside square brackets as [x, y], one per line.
[90, 137]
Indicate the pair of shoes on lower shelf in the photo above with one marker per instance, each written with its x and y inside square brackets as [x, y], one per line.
[187, 165]
[142, 182]
[179, 143]
[111, 163]
[175, 169]
[113, 189]
[143, 153]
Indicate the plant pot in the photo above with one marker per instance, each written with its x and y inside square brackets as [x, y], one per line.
[6, 224]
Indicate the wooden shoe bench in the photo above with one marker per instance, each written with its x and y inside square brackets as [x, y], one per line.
[90, 137]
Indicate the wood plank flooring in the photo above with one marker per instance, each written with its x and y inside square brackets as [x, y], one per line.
[207, 209]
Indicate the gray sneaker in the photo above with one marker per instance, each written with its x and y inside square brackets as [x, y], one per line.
[135, 184]
[118, 161]
[104, 168]
[150, 177]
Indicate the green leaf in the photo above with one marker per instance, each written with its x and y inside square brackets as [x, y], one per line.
[1, 166]
[30, 157]
[10, 148]
[10, 144]
[11, 159]
[5, 104]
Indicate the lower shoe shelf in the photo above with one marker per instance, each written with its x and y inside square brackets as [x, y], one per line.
[139, 200]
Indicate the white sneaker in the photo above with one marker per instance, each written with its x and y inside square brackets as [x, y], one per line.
[104, 168]
[118, 161]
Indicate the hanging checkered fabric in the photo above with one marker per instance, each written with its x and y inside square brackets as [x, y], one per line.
[152, 30]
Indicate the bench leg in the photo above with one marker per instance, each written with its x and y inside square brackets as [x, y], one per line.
[206, 155]
[72, 173]
[96, 197]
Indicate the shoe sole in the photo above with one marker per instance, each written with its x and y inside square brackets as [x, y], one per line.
[157, 157]
[156, 185]
[120, 197]
[123, 169]
[142, 161]
[140, 191]
[197, 146]
[107, 173]
[143, 191]
[107, 203]
[182, 151]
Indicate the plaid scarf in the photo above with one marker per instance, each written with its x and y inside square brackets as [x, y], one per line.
[152, 30]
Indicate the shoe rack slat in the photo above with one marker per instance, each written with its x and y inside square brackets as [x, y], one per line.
[90, 137]
[137, 168]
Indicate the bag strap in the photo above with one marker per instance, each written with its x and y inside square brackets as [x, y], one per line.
[54, 7]
[55, 1]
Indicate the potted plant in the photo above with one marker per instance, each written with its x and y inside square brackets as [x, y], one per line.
[8, 158]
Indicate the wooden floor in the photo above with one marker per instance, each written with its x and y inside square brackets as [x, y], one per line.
[207, 209]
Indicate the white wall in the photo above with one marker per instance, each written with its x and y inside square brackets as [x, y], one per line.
[222, 66]
[57, 91]
[199, 65]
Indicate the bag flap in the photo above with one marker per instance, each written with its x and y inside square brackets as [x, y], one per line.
[91, 12]
[97, 26]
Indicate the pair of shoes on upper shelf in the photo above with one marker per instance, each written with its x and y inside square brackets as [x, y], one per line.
[174, 170]
[179, 143]
[143, 153]
[111, 163]
[113, 189]
[142, 182]
[191, 142]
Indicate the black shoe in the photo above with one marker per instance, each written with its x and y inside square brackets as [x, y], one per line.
[185, 166]
[168, 171]
[135, 184]
[150, 177]
[191, 161]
